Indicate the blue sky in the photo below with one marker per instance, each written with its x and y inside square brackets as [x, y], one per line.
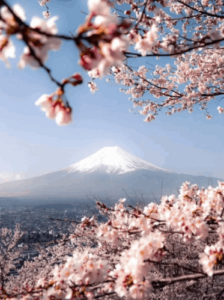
[34, 145]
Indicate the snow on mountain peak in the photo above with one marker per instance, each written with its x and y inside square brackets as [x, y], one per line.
[112, 160]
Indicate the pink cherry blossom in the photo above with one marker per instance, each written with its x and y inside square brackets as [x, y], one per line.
[46, 14]
[93, 87]
[55, 110]
[99, 7]
[63, 115]
[7, 49]
[40, 43]
[43, 2]
[145, 44]
[220, 109]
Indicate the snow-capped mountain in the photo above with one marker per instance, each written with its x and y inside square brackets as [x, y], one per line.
[112, 160]
[110, 173]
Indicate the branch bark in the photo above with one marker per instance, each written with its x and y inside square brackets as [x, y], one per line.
[168, 281]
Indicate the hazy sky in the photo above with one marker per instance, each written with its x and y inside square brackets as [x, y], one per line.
[33, 145]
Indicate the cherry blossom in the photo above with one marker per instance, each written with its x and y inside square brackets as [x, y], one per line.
[46, 14]
[8, 21]
[220, 109]
[210, 257]
[109, 50]
[40, 44]
[7, 49]
[93, 87]
[147, 251]
[43, 2]
[146, 44]
[55, 109]
[99, 7]
[134, 250]
[110, 37]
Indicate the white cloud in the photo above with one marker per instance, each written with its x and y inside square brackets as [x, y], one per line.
[11, 176]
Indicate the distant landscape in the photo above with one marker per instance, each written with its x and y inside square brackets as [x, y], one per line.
[109, 174]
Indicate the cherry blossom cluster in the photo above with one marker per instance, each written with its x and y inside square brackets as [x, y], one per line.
[55, 109]
[54, 106]
[114, 33]
[37, 45]
[75, 277]
[196, 75]
[199, 87]
[108, 48]
[140, 251]
[146, 43]
[212, 256]
[102, 30]
[35, 54]
[93, 87]
[46, 13]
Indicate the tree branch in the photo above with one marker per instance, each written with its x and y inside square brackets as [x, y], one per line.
[168, 281]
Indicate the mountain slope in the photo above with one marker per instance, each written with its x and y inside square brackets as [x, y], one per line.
[112, 160]
[110, 172]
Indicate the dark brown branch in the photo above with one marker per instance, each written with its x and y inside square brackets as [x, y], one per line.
[168, 281]
[204, 12]
[174, 53]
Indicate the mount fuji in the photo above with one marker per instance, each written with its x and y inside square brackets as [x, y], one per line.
[109, 173]
[112, 160]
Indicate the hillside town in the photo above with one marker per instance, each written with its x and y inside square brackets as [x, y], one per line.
[40, 227]
[40, 223]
